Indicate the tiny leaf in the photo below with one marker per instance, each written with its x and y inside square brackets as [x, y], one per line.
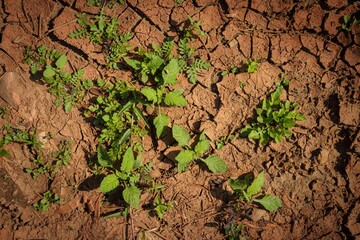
[256, 185]
[128, 161]
[131, 196]
[269, 202]
[181, 135]
[103, 157]
[216, 164]
[161, 122]
[49, 72]
[109, 183]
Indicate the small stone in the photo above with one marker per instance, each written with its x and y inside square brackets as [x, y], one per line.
[258, 214]
[323, 156]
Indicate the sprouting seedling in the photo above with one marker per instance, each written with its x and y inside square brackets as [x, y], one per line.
[189, 154]
[252, 66]
[246, 190]
[48, 198]
[349, 22]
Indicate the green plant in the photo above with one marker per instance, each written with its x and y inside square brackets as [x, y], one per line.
[233, 231]
[62, 156]
[246, 190]
[3, 152]
[3, 112]
[192, 29]
[160, 206]
[222, 141]
[41, 168]
[69, 88]
[21, 136]
[274, 118]
[48, 198]
[189, 154]
[179, 1]
[349, 22]
[251, 66]
[101, 3]
[104, 31]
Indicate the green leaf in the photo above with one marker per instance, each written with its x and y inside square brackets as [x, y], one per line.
[140, 115]
[4, 153]
[109, 183]
[128, 161]
[60, 63]
[175, 98]
[256, 185]
[103, 157]
[346, 18]
[154, 64]
[170, 72]
[239, 184]
[181, 135]
[216, 164]
[254, 134]
[131, 196]
[184, 158]
[269, 202]
[49, 72]
[202, 146]
[150, 94]
[161, 122]
[134, 64]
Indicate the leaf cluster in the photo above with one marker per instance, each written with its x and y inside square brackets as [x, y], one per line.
[21, 136]
[246, 190]
[47, 199]
[274, 119]
[101, 30]
[349, 22]
[251, 66]
[189, 154]
[69, 88]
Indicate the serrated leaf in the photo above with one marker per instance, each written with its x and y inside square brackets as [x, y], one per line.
[109, 183]
[61, 61]
[103, 157]
[269, 202]
[150, 94]
[131, 196]
[49, 72]
[134, 64]
[154, 64]
[256, 185]
[202, 146]
[216, 164]
[128, 161]
[184, 158]
[254, 134]
[180, 135]
[161, 122]
[170, 72]
[175, 98]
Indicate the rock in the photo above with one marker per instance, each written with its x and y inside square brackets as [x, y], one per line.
[11, 88]
[349, 113]
[352, 55]
[258, 214]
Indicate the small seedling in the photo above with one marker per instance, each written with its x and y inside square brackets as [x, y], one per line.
[179, 1]
[160, 206]
[246, 190]
[21, 136]
[192, 29]
[189, 154]
[101, 3]
[3, 112]
[62, 157]
[69, 88]
[48, 198]
[251, 66]
[3, 152]
[274, 119]
[42, 167]
[233, 231]
[349, 22]
[222, 141]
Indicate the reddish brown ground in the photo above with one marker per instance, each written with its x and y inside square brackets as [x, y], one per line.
[316, 172]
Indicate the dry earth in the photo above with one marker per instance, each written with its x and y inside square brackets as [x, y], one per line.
[316, 172]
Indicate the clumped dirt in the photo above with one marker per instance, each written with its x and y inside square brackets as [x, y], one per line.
[316, 172]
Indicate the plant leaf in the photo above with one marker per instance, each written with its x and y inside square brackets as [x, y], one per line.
[61, 61]
[161, 122]
[256, 185]
[103, 157]
[150, 94]
[184, 158]
[269, 202]
[128, 161]
[202, 146]
[134, 64]
[49, 72]
[109, 183]
[170, 72]
[4, 153]
[131, 196]
[175, 98]
[216, 164]
[181, 135]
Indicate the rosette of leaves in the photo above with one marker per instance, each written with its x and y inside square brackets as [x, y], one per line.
[196, 153]
[274, 119]
[246, 190]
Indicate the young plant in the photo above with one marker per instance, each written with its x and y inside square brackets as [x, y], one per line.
[3, 112]
[62, 157]
[349, 22]
[190, 154]
[104, 31]
[192, 29]
[48, 198]
[21, 136]
[3, 152]
[246, 190]
[251, 66]
[42, 167]
[274, 119]
[222, 141]
[101, 3]
[160, 206]
[233, 231]
[69, 88]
